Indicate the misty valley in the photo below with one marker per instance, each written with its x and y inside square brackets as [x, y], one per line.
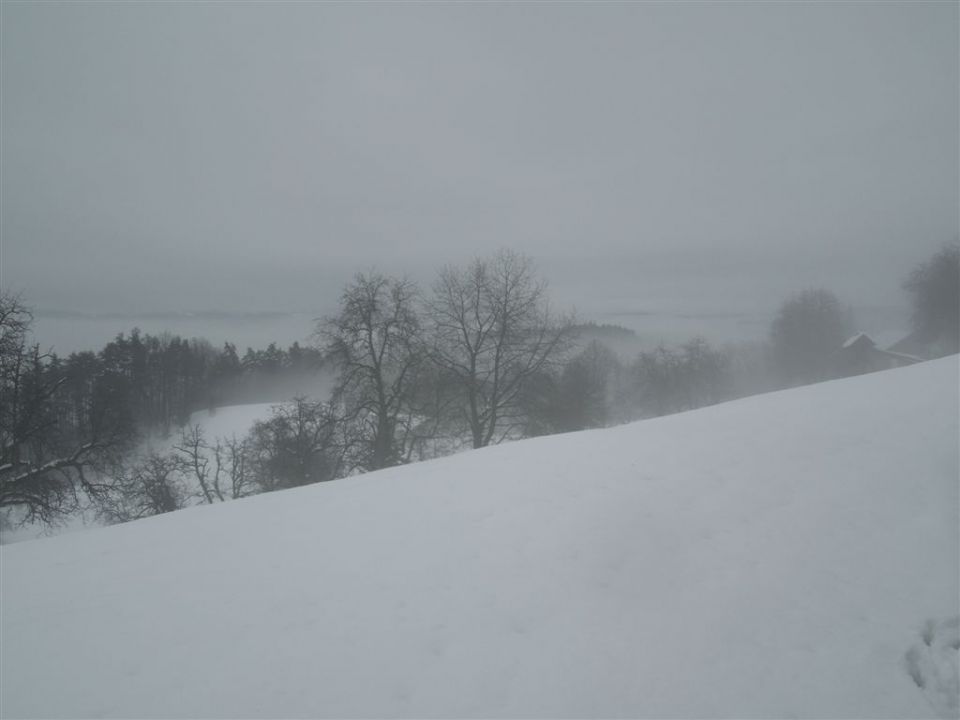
[480, 360]
[398, 374]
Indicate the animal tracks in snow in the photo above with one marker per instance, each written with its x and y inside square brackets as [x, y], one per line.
[933, 665]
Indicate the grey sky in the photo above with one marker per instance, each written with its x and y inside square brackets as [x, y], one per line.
[251, 156]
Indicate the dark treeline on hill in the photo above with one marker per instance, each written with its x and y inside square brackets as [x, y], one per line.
[155, 382]
[398, 374]
[73, 422]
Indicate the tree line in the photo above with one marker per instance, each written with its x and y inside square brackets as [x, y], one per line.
[68, 425]
[477, 358]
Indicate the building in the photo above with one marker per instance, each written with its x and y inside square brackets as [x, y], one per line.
[860, 354]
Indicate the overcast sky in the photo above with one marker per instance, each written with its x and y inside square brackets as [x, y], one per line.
[250, 156]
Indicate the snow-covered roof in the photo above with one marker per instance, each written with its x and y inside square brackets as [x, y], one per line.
[911, 344]
[886, 338]
[856, 338]
[902, 356]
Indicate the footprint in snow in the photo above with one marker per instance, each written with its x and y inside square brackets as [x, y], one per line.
[933, 665]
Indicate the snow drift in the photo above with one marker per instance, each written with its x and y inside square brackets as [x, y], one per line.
[792, 554]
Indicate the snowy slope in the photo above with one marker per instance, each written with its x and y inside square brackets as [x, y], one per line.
[230, 420]
[788, 555]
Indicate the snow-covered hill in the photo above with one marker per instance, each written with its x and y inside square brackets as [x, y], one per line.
[788, 555]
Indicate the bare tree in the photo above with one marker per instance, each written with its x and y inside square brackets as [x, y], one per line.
[234, 454]
[492, 331]
[706, 376]
[203, 462]
[585, 388]
[669, 380]
[44, 466]
[151, 486]
[301, 443]
[806, 336]
[222, 469]
[15, 320]
[376, 342]
[934, 287]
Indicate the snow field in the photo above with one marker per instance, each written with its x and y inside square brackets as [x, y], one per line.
[777, 556]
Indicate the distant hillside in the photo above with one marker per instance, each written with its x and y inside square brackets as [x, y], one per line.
[623, 341]
[600, 331]
[793, 554]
